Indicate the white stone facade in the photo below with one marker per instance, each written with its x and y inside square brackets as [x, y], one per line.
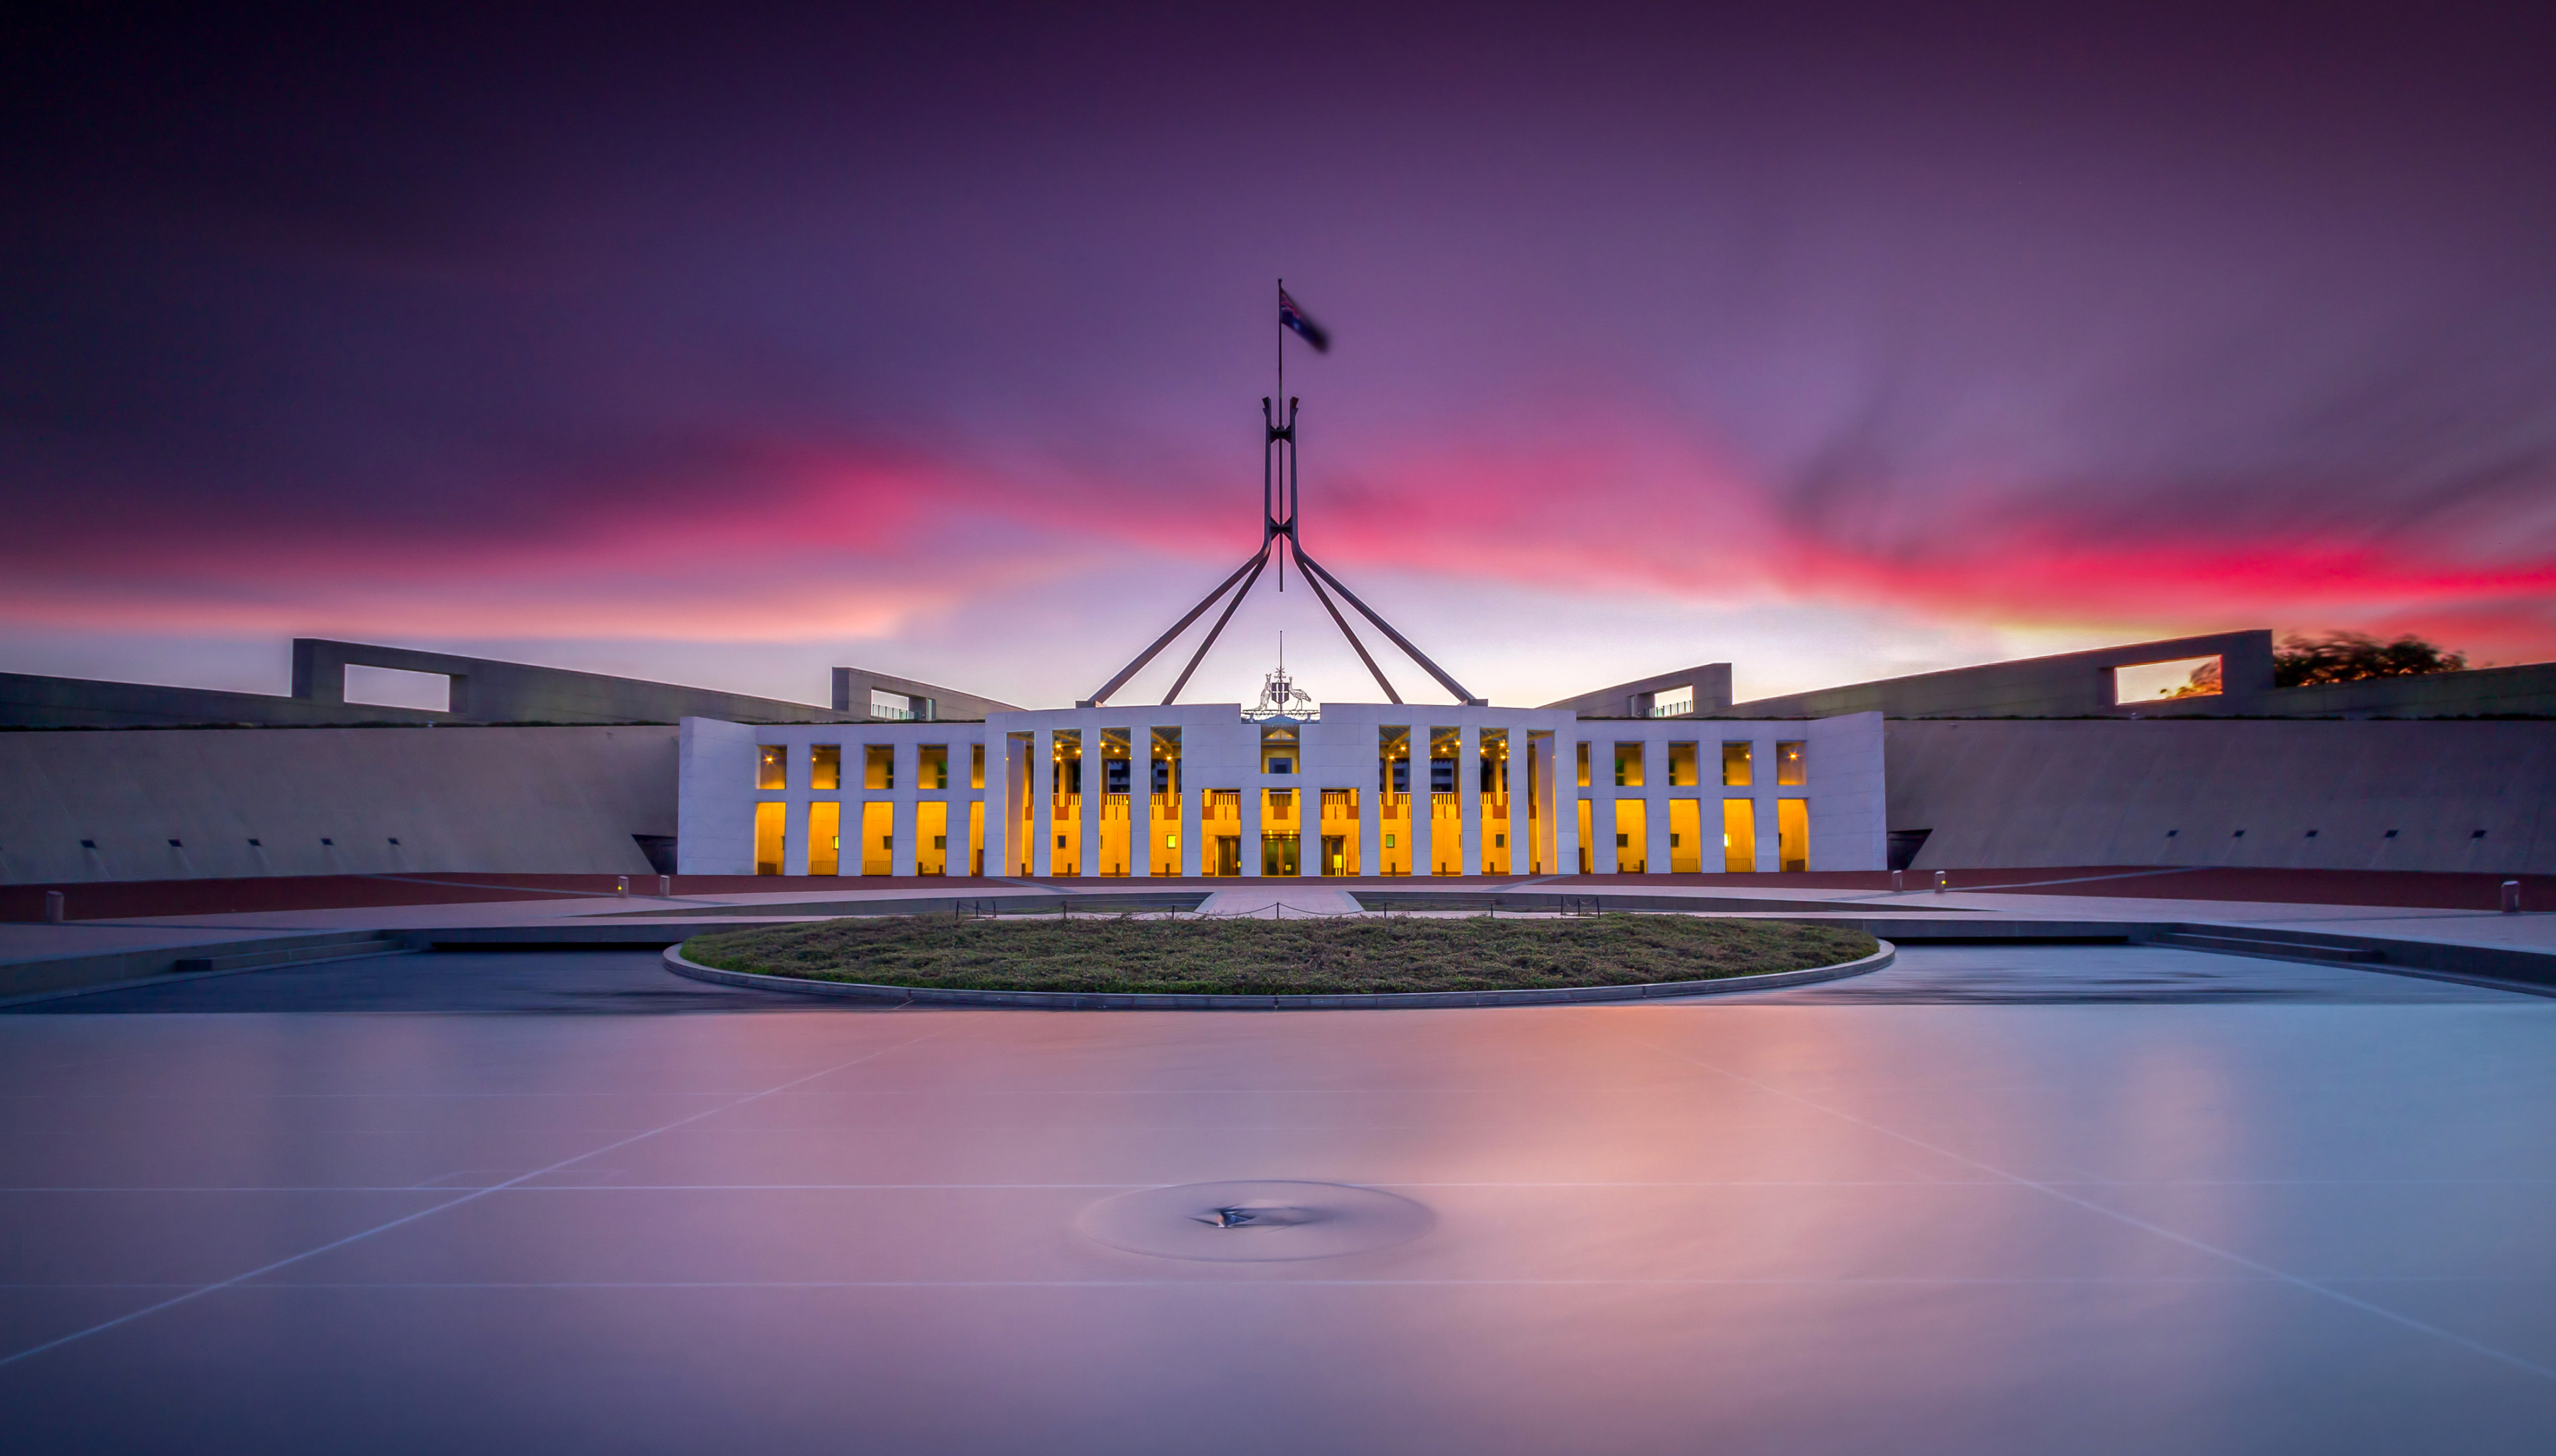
[1221, 750]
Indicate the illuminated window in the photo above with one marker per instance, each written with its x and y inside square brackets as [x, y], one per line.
[976, 766]
[1584, 765]
[1789, 764]
[772, 769]
[1164, 803]
[825, 837]
[1339, 832]
[1628, 766]
[878, 766]
[932, 766]
[932, 837]
[1280, 750]
[826, 765]
[1281, 839]
[976, 827]
[770, 847]
[1738, 836]
[1686, 836]
[1119, 832]
[879, 838]
[1393, 801]
[1632, 837]
[1494, 754]
[1734, 764]
[1793, 834]
[1682, 765]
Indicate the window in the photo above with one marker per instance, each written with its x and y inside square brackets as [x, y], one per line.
[1673, 702]
[879, 838]
[1278, 750]
[932, 766]
[976, 766]
[1628, 766]
[1632, 837]
[932, 837]
[896, 707]
[1793, 834]
[397, 687]
[1682, 765]
[2147, 682]
[1734, 764]
[1584, 765]
[826, 766]
[1789, 764]
[772, 769]
[878, 766]
[1738, 836]
[1686, 836]
[825, 837]
[770, 847]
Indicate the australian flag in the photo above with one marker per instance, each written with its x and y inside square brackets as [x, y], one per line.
[1292, 316]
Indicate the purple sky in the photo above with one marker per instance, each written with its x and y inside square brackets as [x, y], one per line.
[1835, 343]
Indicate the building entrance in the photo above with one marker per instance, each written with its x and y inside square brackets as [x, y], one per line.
[1278, 855]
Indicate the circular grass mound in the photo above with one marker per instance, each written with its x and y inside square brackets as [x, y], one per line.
[1239, 957]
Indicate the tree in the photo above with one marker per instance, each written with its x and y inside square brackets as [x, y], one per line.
[2349, 657]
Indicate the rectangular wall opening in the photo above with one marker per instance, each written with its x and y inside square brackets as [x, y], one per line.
[1587, 852]
[1020, 801]
[825, 837]
[1738, 836]
[1064, 803]
[770, 844]
[1628, 766]
[878, 766]
[1339, 832]
[2147, 682]
[1686, 836]
[398, 687]
[879, 838]
[896, 707]
[1736, 767]
[1220, 821]
[932, 837]
[1792, 765]
[1539, 800]
[932, 766]
[976, 836]
[1632, 837]
[1446, 803]
[1117, 803]
[1494, 816]
[1280, 833]
[1682, 765]
[1793, 834]
[771, 767]
[826, 766]
[1163, 814]
[1393, 801]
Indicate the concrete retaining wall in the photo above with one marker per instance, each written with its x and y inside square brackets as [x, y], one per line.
[330, 801]
[2022, 794]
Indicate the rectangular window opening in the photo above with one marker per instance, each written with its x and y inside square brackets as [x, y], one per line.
[398, 687]
[826, 765]
[1792, 765]
[1734, 764]
[2147, 682]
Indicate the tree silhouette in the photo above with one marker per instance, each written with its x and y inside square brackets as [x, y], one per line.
[2349, 657]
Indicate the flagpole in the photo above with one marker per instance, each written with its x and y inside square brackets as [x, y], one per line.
[1282, 405]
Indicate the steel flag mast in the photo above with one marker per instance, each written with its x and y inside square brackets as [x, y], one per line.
[1279, 540]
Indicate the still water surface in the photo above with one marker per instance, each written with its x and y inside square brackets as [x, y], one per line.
[2306, 1214]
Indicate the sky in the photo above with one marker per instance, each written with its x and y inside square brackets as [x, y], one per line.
[721, 347]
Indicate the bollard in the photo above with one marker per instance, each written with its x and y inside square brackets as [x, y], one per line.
[53, 907]
[665, 886]
[1941, 880]
[2511, 896]
[1894, 882]
[624, 888]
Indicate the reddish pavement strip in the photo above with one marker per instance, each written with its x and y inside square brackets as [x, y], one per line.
[129, 898]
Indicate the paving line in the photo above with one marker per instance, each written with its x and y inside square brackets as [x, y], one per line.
[471, 1197]
[2058, 1192]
